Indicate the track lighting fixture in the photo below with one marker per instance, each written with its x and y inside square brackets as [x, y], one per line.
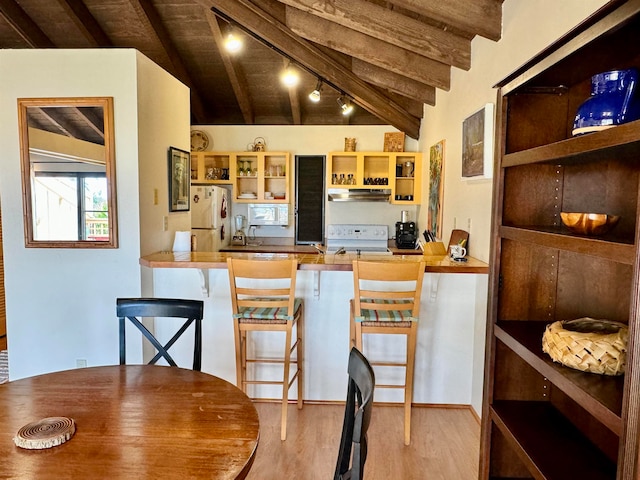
[290, 76]
[315, 95]
[232, 43]
[345, 105]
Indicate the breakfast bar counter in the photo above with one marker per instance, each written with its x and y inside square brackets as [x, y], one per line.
[309, 261]
[451, 331]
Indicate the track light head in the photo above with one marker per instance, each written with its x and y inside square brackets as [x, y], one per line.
[315, 95]
[290, 77]
[345, 105]
[232, 43]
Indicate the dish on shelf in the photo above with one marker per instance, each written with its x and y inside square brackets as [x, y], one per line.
[199, 141]
[247, 195]
[279, 195]
[589, 223]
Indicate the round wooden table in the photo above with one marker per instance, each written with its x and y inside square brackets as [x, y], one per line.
[132, 422]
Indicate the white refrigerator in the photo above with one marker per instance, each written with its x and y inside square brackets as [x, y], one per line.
[210, 217]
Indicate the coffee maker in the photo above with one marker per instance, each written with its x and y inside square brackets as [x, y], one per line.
[406, 235]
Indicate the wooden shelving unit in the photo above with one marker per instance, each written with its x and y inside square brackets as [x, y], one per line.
[540, 419]
[363, 167]
[247, 172]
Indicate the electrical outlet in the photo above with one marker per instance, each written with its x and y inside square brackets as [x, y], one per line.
[468, 225]
[454, 223]
[165, 223]
[155, 196]
[81, 363]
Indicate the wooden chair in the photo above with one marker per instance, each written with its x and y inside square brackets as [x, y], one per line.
[357, 416]
[387, 301]
[263, 299]
[191, 310]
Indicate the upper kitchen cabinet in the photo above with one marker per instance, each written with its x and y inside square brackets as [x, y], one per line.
[542, 419]
[400, 172]
[261, 177]
[211, 167]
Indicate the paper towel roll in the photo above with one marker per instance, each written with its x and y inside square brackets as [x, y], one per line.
[182, 242]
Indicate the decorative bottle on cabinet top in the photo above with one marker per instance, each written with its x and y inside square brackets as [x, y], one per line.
[613, 101]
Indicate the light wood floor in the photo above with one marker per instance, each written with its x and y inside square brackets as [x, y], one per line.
[444, 444]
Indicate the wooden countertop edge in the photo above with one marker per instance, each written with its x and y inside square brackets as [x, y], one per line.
[313, 262]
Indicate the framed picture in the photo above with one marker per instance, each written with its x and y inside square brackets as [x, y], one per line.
[436, 189]
[394, 142]
[179, 182]
[477, 144]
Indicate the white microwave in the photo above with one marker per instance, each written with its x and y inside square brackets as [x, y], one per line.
[268, 214]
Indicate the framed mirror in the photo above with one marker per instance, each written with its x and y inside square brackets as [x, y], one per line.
[68, 172]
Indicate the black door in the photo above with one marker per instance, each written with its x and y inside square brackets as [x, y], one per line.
[310, 197]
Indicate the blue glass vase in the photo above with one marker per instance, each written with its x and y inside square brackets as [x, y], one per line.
[613, 101]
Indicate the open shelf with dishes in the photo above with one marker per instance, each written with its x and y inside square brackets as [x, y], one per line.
[542, 419]
[261, 177]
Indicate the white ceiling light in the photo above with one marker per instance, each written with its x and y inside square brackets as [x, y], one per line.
[290, 77]
[315, 95]
[345, 105]
[232, 43]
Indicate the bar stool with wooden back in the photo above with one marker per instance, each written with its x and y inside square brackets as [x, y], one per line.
[387, 301]
[263, 299]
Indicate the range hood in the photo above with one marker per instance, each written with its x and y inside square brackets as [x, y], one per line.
[359, 195]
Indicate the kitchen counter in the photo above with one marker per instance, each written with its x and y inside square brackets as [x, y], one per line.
[451, 332]
[307, 261]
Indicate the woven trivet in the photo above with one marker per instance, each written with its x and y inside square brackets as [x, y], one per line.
[589, 345]
[46, 433]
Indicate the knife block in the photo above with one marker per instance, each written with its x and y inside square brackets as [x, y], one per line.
[434, 248]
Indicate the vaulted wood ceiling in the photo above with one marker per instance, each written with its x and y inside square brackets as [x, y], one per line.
[387, 57]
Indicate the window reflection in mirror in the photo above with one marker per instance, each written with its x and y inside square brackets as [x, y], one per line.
[68, 172]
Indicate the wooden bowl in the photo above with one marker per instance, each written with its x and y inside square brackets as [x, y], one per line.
[589, 223]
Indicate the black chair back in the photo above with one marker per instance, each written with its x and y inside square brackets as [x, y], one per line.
[191, 310]
[357, 416]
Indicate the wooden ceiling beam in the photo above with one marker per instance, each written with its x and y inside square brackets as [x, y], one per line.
[149, 16]
[268, 30]
[369, 49]
[478, 17]
[23, 25]
[86, 23]
[394, 28]
[394, 82]
[236, 75]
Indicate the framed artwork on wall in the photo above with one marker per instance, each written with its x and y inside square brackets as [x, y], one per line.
[436, 189]
[477, 144]
[179, 180]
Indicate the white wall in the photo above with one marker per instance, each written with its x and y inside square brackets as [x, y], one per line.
[61, 302]
[528, 27]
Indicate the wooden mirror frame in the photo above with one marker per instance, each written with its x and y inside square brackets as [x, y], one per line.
[109, 149]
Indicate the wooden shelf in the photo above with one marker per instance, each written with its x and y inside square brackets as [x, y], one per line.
[549, 446]
[598, 394]
[562, 239]
[622, 141]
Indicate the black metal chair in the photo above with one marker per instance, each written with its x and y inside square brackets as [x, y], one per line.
[191, 310]
[357, 415]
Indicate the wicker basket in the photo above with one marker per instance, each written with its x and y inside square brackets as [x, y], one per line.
[595, 346]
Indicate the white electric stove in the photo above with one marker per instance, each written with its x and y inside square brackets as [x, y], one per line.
[357, 239]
